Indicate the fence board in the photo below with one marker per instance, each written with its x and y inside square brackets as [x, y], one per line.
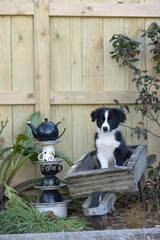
[92, 9]
[22, 78]
[113, 76]
[17, 98]
[105, 10]
[60, 72]
[5, 77]
[92, 97]
[132, 28]
[16, 8]
[77, 84]
[60, 54]
[41, 56]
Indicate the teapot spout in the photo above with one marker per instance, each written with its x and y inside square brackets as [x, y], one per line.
[34, 130]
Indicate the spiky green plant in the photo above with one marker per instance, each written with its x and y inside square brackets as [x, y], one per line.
[21, 217]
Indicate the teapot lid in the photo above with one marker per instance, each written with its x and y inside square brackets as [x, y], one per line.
[47, 123]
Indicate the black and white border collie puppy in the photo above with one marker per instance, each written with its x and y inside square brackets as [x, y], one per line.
[110, 147]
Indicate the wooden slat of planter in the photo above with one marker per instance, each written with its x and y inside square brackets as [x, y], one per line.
[75, 173]
[99, 180]
[16, 8]
[86, 189]
[92, 97]
[104, 10]
[120, 179]
[16, 98]
[140, 163]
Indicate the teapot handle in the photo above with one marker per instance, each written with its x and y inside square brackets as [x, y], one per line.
[58, 123]
[62, 133]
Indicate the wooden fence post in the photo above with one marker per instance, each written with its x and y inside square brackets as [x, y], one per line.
[41, 57]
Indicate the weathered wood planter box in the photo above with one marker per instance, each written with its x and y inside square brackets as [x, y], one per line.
[83, 179]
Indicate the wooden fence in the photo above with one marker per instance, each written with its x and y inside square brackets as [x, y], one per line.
[55, 58]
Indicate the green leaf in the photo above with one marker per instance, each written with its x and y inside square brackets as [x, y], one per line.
[3, 163]
[6, 149]
[157, 86]
[116, 101]
[127, 108]
[9, 191]
[61, 155]
[150, 206]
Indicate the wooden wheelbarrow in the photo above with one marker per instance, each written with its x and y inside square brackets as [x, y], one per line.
[102, 186]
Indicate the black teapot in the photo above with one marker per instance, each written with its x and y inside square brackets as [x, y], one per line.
[46, 131]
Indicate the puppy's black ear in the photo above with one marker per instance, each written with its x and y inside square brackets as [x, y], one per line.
[95, 114]
[121, 115]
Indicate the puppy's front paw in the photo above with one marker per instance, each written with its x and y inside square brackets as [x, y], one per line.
[103, 162]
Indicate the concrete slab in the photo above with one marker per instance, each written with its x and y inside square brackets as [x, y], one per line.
[129, 234]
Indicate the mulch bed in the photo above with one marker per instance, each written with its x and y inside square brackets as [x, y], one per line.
[130, 213]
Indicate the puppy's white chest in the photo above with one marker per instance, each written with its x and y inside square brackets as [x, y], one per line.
[106, 144]
[107, 140]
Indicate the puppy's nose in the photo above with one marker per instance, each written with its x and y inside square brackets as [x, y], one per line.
[105, 129]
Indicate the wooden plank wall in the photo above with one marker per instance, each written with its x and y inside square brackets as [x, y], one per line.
[54, 58]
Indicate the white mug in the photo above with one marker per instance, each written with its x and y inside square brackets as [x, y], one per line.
[47, 154]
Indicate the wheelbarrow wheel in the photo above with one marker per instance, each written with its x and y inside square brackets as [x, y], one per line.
[99, 221]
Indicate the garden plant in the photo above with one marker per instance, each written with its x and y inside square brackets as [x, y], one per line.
[16, 214]
[126, 52]
[12, 158]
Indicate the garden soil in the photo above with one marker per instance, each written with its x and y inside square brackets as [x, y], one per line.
[130, 213]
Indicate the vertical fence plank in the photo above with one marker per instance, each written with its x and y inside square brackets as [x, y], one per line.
[5, 77]
[41, 56]
[22, 80]
[92, 69]
[133, 29]
[60, 53]
[114, 76]
[60, 72]
[77, 84]
[41, 60]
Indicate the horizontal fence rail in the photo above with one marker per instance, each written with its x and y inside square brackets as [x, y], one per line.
[89, 97]
[17, 98]
[84, 9]
[16, 8]
[105, 10]
[69, 97]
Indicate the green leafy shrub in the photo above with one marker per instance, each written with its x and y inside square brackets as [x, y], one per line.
[152, 188]
[126, 52]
